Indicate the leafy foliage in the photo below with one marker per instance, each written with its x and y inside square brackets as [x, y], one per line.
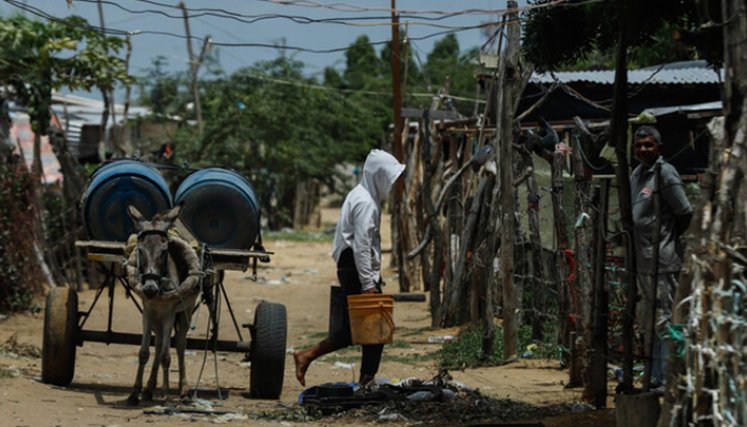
[18, 271]
[275, 125]
[466, 352]
[278, 135]
[161, 90]
[37, 58]
[582, 35]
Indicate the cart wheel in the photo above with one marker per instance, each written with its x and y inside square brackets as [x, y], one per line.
[268, 351]
[60, 336]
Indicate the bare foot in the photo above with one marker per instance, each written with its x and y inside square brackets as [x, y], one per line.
[302, 363]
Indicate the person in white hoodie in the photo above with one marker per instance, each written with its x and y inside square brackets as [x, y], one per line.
[357, 251]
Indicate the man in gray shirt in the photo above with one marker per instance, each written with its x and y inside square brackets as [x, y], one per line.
[675, 215]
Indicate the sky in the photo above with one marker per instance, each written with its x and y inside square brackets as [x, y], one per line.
[149, 15]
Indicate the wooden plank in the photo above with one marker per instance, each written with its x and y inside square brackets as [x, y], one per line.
[103, 257]
[238, 253]
[434, 115]
[100, 244]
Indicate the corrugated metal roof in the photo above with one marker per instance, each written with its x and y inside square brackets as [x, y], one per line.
[694, 108]
[662, 75]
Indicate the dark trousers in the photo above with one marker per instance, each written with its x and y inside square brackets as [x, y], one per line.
[350, 283]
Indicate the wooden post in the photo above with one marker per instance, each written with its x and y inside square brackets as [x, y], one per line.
[452, 312]
[454, 290]
[619, 134]
[108, 98]
[194, 68]
[432, 269]
[648, 361]
[562, 242]
[538, 270]
[583, 281]
[400, 220]
[510, 83]
[126, 134]
[505, 115]
[596, 387]
[455, 212]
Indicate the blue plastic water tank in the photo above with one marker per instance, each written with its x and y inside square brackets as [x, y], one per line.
[113, 187]
[221, 208]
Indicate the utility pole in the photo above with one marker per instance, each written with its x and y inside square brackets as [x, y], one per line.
[399, 221]
[194, 67]
[107, 96]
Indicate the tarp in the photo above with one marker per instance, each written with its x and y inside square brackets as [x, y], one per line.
[23, 136]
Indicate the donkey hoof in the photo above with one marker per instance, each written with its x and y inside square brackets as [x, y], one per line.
[133, 400]
[148, 396]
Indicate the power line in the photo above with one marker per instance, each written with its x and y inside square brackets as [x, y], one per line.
[251, 19]
[346, 7]
[123, 33]
[350, 91]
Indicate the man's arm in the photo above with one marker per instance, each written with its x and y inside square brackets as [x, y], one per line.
[681, 223]
[673, 193]
[363, 237]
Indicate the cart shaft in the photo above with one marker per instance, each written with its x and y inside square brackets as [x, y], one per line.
[192, 343]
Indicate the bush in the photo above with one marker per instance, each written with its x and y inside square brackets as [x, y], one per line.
[18, 271]
[466, 352]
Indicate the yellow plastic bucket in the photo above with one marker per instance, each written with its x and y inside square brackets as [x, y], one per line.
[371, 319]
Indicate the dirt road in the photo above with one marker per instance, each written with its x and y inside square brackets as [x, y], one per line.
[299, 276]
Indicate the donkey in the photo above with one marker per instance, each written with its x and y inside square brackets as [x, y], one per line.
[165, 273]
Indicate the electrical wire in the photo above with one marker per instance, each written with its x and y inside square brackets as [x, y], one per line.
[353, 91]
[346, 7]
[122, 33]
[251, 19]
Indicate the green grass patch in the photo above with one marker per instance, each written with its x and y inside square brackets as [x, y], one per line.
[298, 236]
[466, 352]
[399, 344]
[409, 358]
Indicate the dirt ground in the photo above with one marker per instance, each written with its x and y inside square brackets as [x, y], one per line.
[298, 276]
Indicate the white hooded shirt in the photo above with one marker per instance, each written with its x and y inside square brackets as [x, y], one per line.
[360, 216]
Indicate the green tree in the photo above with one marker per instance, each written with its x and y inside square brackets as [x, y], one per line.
[37, 58]
[362, 66]
[332, 78]
[279, 134]
[446, 61]
[581, 34]
[162, 91]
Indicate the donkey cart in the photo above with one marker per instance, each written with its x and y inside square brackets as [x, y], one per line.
[220, 218]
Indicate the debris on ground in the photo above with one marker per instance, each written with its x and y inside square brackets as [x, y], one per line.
[195, 408]
[437, 401]
[13, 348]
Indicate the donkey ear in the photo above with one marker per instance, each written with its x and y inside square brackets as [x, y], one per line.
[173, 214]
[135, 214]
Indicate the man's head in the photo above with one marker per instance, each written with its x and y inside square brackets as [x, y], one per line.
[647, 145]
[380, 171]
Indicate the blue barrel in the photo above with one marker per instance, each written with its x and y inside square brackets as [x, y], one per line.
[113, 187]
[221, 208]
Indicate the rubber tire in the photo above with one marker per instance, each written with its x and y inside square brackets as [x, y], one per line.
[60, 337]
[268, 351]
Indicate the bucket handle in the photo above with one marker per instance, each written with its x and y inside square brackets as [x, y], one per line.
[388, 318]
